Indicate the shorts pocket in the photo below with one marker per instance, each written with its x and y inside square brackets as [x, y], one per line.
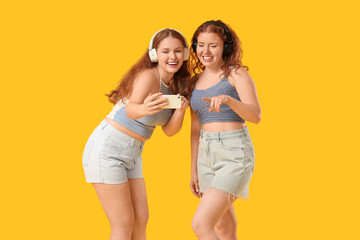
[232, 144]
[117, 143]
[87, 151]
[118, 152]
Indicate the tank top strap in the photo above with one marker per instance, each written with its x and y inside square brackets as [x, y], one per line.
[162, 84]
[228, 72]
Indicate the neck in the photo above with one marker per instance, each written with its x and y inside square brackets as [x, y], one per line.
[166, 77]
[213, 70]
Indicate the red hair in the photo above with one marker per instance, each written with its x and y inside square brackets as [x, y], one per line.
[232, 60]
[179, 83]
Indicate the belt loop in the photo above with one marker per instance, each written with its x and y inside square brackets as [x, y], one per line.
[104, 125]
[218, 137]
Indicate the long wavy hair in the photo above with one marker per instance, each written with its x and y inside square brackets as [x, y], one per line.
[179, 83]
[232, 60]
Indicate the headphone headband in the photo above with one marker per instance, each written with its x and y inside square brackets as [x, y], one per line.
[152, 39]
[226, 31]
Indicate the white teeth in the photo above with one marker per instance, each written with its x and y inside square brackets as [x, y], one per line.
[207, 58]
[172, 63]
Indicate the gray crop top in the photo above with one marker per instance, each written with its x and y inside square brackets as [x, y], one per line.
[201, 107]
[145, 125]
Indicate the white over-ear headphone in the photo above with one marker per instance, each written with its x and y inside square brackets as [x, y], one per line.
[152, 51]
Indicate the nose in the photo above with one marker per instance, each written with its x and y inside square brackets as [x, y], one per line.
[172, 55]
[206, 49]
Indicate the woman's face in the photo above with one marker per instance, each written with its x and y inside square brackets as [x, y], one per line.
[170, 53]
[209, 49]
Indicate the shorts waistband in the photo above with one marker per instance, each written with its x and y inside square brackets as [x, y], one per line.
[244, 132]
[106, 127]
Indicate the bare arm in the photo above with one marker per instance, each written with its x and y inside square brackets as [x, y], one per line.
[143, 99]
[249, 107]
[174, 125]
[195, 134]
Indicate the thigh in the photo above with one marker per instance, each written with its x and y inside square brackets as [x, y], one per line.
[139, 197]
[116, 202]
[213, 205]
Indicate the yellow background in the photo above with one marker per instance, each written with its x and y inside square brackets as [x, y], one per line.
[59, 58]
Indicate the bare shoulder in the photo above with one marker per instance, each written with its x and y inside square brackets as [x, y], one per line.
[145, 82]
[147, 79]
[239, 75]
[146, 76]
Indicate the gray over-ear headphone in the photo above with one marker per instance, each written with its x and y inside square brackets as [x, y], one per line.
[152, 51]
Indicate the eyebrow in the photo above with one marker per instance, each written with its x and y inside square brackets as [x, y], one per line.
[209, 43]
[169, 48]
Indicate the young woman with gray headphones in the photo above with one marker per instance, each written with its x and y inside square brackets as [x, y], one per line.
[112, 156]
[223, 97]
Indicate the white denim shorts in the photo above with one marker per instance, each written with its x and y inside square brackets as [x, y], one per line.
[111, 157]
[226, 161]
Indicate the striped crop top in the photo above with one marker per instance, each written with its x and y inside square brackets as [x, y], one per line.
[144, 126]
[201, 107]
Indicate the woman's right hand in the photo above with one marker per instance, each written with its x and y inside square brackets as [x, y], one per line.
[153, 103]
[194, 185]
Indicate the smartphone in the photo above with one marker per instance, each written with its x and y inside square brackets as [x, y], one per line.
[174, 101]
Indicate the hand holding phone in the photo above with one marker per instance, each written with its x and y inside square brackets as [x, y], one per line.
[174, 101]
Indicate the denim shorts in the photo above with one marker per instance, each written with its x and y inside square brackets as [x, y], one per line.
[111, 157]
[226, 161]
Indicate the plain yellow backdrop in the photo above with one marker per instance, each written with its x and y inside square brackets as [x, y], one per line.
[59, 58]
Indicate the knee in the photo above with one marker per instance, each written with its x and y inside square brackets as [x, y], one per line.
[227, 228]
[123, 224]
[141, 220]
[200, 227]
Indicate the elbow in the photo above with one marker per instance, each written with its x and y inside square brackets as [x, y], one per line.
[131, 117]
[258, 118]
[255, 119]
[169, 134]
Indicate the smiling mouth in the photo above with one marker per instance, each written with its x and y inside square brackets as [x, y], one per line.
[207, 59]
[172, 64]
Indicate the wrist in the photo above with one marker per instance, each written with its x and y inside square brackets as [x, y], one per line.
[228, 100]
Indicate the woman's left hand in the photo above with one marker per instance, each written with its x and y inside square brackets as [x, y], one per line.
[184, 103]
[216, 102]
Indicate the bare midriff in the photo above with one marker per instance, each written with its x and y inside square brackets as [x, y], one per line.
[222, 126]
[125, 130]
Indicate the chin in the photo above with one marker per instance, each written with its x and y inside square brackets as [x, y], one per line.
[172, 69]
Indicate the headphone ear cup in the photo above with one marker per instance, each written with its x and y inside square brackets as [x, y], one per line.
[228, 47]
[193, 45]
[153, 55]
[186, 54]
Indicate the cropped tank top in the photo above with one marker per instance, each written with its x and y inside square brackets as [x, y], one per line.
[201, 107]
[144, 126]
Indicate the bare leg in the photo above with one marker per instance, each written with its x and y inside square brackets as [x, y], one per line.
[116, 202]
[213, 205]
[226, 226]
[141, 210]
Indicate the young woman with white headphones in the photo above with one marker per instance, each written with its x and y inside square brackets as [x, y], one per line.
[112, 156]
